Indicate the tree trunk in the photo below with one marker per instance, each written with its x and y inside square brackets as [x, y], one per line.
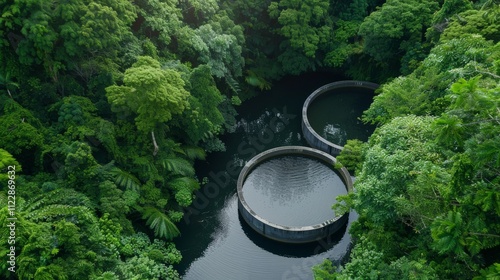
[154, 143]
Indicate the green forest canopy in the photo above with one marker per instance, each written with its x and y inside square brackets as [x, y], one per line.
[105, 106]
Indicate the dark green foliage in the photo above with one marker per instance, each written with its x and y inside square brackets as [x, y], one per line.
[21, 131]
[107, 104]
[397, 27]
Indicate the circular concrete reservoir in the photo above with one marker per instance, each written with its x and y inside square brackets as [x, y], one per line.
[286, 194]
[330, 115]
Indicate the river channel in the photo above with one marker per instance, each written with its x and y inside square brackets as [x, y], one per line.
[216, 243]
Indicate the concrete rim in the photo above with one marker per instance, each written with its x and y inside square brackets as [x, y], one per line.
[307, 129]
[289, 150]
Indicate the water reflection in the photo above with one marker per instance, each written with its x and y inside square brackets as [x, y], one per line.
[292, 250]
[293, 190]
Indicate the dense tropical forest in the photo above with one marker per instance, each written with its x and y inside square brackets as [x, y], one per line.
[105, 105]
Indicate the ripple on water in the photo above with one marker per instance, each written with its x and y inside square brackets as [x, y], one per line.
[293, 190]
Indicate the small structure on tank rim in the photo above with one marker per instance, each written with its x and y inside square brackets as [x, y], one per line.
[285, 233]
[312, 137]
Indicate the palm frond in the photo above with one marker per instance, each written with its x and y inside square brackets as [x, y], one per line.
[160, 223]
[125, 179]
[61, 196]
[193, 152]
[178, 166]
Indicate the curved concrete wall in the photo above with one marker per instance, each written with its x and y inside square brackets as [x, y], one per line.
[280, 232]
[311, 136]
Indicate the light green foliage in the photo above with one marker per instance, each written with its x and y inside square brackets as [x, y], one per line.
[324, 270]
[146, 260]
[421, 92]
[6, 160]
[155, 95]
[57, 232]
[351, 157]
[441, 206]
[399, 152]
[184, 187]
[493, 272]
[365, 263]
[138, 268]
[111, 232]
[476, 23]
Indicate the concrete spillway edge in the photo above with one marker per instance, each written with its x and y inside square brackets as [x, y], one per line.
[281, 232]
[311, 136]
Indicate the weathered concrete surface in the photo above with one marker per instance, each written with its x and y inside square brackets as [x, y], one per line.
[311, 136]
[282, 232]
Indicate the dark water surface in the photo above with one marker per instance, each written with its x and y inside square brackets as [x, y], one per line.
[216, 243]
[293, 191]
[335, 116]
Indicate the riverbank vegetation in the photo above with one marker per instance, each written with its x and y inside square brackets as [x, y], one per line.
[106, 105]
[428, 191]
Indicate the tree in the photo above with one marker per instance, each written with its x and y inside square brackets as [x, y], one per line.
[153, 94]
[398, 152]
[155, 24]
[397, 29]
[218, 44]
[202, 119]
[22, 131]
[304, 23]
[59, 34]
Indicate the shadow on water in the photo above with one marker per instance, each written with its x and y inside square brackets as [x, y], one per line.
[291, 250]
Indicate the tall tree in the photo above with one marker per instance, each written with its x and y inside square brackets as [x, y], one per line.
[153, 94]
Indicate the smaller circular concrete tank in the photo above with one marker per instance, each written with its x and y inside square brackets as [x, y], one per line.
[312, 137]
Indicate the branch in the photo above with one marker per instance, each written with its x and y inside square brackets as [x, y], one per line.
[484, 234]
[154, 143]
